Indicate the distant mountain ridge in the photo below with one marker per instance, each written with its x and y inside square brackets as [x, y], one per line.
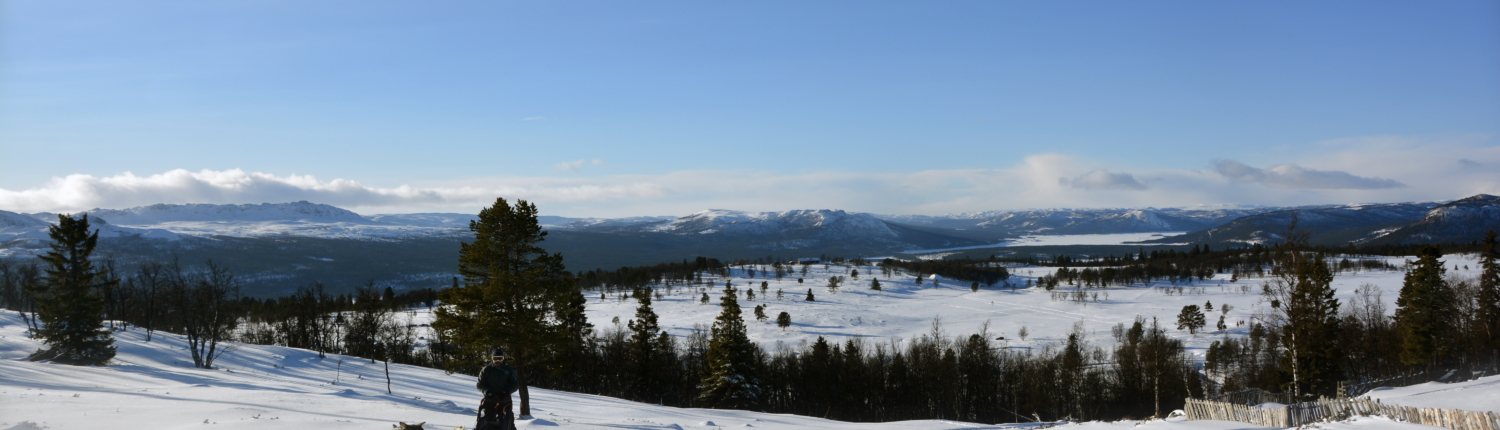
[161, 213]
[280, 246]
[1009, 224]
[1462, 220]
[1459, 221]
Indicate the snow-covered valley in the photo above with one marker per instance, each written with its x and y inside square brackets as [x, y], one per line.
[153, 385]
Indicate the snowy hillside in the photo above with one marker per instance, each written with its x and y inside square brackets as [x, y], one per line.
[163, 213]
[153, 386]
[1457, 221]
[1080, 221]
[23, 234]
[1328, 225]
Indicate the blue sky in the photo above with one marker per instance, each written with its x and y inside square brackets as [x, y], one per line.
[665, 108]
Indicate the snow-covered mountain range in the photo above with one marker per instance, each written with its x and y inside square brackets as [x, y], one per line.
[1009, 224]
[281, 245]
[1461, 220]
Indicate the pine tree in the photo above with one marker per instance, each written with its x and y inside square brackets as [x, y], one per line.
[784, 320]
[1191, 318]
[1311, 334]
[514, 295]
[875, 284]
[1489, 294]
[809, 295]
[1423, 310]
[732, 380]
[68, 302]
[645, 350]
[760, 313]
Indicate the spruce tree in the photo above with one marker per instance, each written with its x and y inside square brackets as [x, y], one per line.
[645, 350]
[875, 284]
[809, 295]
[1191, 318]
[732, 379]
[68, 302]
[1311, 334]
[514, 295]
[1489, 295]
[1423, 310]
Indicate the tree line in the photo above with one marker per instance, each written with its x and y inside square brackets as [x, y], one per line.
[1310, 344]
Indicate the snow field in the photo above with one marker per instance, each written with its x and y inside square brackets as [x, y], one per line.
[904, 310]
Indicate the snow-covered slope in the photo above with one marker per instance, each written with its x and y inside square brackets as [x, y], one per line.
[152, 385]
[31, 229]
[1481, 394]
[1080, 221]
[821, 223]
[1461, 220]
[164, 213]
[302, 219]
[1327, 225]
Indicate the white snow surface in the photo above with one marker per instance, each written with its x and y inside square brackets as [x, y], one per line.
[904, 310]
[1481, 394]
[152, 385]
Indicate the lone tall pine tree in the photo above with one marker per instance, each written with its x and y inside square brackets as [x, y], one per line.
[732, 380]
[1423, 310]
[68, 303]
[514, 295]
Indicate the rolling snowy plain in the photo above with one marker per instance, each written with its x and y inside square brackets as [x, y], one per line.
[153, 385]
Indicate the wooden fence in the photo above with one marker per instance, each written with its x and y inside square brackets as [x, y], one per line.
[1337, 409]
[1253, 396]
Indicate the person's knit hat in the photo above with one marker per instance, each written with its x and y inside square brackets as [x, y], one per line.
[498, 353]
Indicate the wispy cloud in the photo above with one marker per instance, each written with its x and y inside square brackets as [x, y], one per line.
[1101, 179]
[575, 165]
[1298, 177]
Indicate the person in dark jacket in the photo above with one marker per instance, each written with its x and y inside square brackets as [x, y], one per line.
[497, 381]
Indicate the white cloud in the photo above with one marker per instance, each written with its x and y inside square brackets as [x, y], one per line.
[81, 192]
[1355, 173]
